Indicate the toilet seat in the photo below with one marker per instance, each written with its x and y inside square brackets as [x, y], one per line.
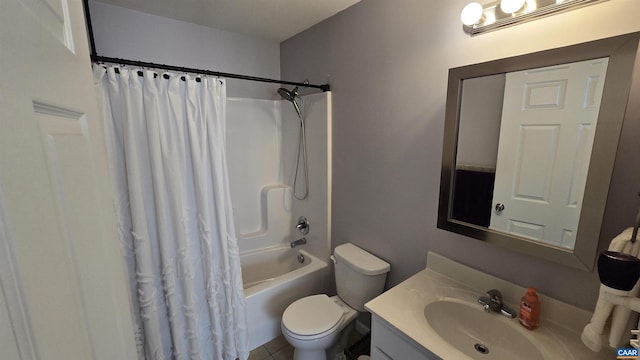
[312, 316]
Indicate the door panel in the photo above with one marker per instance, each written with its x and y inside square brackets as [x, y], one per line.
[528, 230]
[534, 169]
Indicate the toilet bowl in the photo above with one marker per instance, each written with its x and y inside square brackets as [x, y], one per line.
[318, 326]
[313, 332]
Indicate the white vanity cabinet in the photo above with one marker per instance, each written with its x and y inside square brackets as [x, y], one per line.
[387, 343]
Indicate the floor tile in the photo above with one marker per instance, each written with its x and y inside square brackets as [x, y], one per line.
[276, 344]
[259, 354]
[286, 353]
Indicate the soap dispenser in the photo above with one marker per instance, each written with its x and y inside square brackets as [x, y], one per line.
[530, 309]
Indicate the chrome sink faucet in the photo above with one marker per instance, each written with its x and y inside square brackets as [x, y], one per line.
[493, 303]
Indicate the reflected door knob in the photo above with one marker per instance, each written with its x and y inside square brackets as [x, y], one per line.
[499, 207]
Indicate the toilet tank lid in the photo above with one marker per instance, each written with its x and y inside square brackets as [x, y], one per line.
[361, 260]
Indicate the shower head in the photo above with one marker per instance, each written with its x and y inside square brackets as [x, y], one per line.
[291, 95]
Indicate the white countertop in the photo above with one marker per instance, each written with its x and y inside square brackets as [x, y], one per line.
[403, 307]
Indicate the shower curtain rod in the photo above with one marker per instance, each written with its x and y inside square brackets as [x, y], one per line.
[104, 59]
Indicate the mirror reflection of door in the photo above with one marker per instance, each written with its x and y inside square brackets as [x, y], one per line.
[546, 135]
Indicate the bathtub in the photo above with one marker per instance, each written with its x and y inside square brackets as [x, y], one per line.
[273, 278]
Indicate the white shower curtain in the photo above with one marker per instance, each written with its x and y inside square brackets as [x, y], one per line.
[166, 142]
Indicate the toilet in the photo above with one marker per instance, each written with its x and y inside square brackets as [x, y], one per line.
[318, 326]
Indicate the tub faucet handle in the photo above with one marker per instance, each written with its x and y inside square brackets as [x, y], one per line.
[303, 225]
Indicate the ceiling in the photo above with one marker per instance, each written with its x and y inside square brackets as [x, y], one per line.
[274, 20]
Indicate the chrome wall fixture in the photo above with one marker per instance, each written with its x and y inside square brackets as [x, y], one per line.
[477, 18]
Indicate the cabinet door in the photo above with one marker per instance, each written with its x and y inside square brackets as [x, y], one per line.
[378, 354]
[387, 343]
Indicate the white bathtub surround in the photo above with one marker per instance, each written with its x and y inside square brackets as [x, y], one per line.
[262, 142]
[166, 141]
[401, 310]
[276, 215]
[274, 278]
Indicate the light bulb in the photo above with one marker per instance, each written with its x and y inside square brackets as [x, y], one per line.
[511, 6]
[471, 14]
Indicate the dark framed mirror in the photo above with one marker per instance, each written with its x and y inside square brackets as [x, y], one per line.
[529, 147]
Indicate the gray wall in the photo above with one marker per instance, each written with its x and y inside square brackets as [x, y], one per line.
[480, 118]
[133, 35]
[387, 62]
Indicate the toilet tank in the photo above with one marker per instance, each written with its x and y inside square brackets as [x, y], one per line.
[360, 276]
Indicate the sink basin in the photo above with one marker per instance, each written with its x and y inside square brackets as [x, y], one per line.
[478, 334]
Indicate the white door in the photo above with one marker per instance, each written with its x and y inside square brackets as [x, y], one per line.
[546, 135]
[65, 289]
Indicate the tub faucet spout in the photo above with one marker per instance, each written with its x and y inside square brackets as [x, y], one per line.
[298, 242]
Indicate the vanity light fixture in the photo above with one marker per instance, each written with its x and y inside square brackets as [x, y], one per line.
[477, 18]
[472, 14]
[511, 6]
